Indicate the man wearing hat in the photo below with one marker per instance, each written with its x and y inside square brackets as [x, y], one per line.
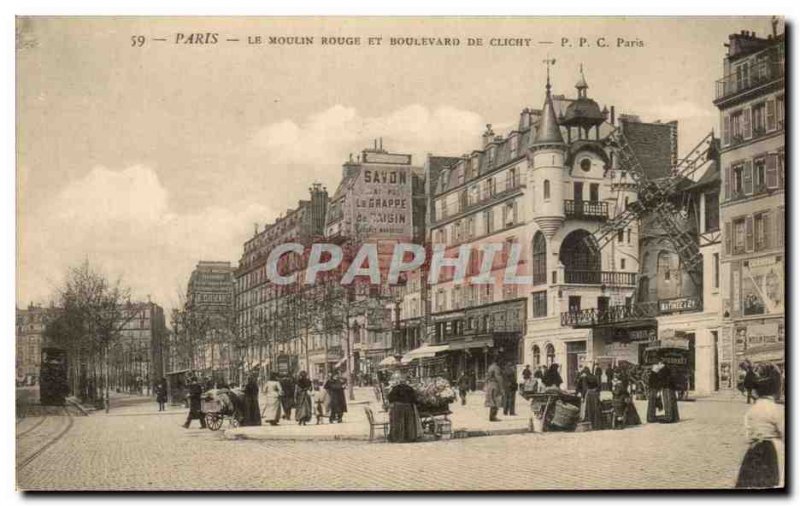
[195, 394]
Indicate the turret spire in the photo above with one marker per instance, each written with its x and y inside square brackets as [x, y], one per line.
[548, 131]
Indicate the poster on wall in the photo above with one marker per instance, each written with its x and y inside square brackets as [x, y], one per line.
[762, 286]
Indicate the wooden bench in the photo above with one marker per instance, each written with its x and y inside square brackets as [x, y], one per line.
[373, 424]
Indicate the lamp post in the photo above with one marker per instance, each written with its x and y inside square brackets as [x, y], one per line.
[350, 393]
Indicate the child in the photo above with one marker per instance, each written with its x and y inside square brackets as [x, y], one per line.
[321, 406]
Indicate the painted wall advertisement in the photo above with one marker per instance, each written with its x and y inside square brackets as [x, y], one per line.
[762, 286]
[382, 203]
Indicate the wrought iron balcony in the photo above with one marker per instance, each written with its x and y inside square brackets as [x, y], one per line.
[759, 74]
[586, 210]
[629, 313]
[608, 278]
[612, 315]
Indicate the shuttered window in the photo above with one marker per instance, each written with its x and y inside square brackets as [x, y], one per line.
[747, 126]
[726, 130]
[727, 238]
[727, 178]
[747, 180]
[770, 115]
[772, 171]
[749, 246]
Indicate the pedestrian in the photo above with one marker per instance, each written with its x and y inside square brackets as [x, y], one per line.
[749, 380]
[195, 395]
[302, 398]
[272, 402]
[463, 387]
[404, 422]
[161, 393]
[252, 413]
[526, 373]
[763, 464]
[509, 390]
[321, 403]
[552, 379]
[494, 389]
[588, 387]
[338, 405]
[606, 381]
[287, 400]
[661, 396]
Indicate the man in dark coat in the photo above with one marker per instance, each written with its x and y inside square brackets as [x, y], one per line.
[463, 387]
[252, 413]
[510, 390]
[195, 394]
[338, 405]
[749, 381]
[287, 400]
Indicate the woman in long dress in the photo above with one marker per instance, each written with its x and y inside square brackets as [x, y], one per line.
[403, 415]
[590, 405]
[302, 398]
[272, 403]
[763, 464]
[661, 396]
[494, 390]
[252, 415]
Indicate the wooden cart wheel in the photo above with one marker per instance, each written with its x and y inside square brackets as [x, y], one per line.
[213, 421]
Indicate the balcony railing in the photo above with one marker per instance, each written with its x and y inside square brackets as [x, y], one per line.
[586, 209]
[759, 73]
[611, 315]
[607, 278]
[630, 312]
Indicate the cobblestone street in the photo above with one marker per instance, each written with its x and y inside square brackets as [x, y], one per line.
[131, 448]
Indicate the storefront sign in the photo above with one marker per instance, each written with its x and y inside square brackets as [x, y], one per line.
[678, 305]
[762, 335]
[623, 351]
[741, 339]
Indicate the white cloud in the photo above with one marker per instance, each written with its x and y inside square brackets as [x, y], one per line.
[326, 138]
[121, 220]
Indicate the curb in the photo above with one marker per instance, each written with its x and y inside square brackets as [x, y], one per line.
[457, 434]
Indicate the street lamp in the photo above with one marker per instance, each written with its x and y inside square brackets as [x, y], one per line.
[356, 328]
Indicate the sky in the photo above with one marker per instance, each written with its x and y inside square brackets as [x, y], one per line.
[145, 160]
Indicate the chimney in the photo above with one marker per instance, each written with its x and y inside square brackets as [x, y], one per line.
[488, 135]
[525, 119]
[613, 116]
[255, 228]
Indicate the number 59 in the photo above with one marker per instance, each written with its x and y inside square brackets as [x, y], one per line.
[137, 40]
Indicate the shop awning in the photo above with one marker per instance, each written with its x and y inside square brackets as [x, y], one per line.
[475, 343]
[424, 351]
[390, 360]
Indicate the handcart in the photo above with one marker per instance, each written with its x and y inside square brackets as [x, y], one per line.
[436, 421]
[219, 407]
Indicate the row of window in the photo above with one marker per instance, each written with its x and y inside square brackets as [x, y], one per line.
[470, 169]
[451, 205]
[753, 121]
[756, 232]
[471, 227]
[754, 176]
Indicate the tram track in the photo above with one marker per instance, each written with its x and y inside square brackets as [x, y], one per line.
[41, 449]
[33, 427]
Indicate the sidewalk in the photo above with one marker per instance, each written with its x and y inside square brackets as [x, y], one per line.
[468, 421]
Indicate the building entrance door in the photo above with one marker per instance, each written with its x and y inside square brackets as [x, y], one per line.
[576, 354]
